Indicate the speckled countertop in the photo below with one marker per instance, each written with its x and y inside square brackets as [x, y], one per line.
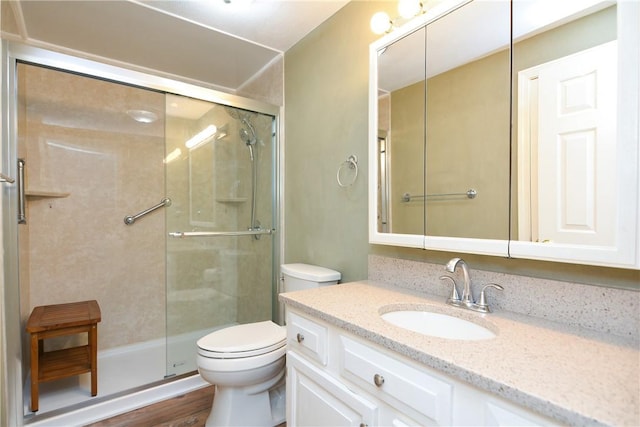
[575, 376]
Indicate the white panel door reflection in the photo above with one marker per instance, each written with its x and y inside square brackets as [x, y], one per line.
[567, 149]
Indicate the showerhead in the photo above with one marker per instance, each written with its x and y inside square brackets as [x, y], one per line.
[248, 136]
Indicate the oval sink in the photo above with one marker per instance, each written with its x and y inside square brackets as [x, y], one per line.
[438, 325]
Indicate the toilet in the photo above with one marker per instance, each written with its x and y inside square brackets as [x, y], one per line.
[246, 362]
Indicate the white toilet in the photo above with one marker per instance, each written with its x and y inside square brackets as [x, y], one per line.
[247, 362]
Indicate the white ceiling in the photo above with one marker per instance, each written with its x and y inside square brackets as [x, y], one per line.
[223, 44]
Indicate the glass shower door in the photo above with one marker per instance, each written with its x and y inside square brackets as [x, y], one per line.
[220, 177]
[92, 151]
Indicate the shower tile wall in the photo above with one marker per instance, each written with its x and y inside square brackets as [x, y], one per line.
[79, 143]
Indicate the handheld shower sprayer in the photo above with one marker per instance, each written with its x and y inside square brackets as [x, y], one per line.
[248, 136]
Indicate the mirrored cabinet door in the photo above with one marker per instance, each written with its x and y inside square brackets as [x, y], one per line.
[575, 133]
[439, 147]
[468, 114]
[401, 126]
[397, 133]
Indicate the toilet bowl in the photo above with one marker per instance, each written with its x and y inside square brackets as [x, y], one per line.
[246, 363]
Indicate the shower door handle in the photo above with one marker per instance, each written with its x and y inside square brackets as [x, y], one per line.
[254, 232]
[5, 178]
[22, 218]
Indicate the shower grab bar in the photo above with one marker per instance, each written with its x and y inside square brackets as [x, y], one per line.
[130, 219]
[471, 194]
[253, 232]
[22, 215]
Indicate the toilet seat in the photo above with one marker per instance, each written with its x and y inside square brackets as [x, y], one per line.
[241, 341]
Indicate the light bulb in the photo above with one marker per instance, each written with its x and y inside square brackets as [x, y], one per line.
[380, 23]
[409, 8]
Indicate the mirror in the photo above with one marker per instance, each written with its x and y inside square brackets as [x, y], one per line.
[569, 152]
[401, 130]
[504, 171]
[571, 69]
[439, 179]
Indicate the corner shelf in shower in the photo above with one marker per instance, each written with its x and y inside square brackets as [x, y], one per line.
[232, 200]
[45, 194]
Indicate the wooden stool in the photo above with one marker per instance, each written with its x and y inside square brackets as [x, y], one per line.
[50, 321]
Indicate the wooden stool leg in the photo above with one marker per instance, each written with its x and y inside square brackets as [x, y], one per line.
[35, 355]
[93, 348]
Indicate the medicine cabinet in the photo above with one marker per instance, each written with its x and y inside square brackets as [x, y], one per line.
[509, 129]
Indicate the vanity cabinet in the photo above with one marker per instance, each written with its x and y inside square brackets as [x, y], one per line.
[353, 382]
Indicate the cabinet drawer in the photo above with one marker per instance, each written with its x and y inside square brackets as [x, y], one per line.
[399, 384]
[307, 337]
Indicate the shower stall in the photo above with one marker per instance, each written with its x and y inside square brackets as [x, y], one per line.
[155, 198]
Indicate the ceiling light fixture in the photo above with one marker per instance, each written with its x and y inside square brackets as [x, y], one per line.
[381, 23]
[201, 137]
[237, 5]
[142, 116]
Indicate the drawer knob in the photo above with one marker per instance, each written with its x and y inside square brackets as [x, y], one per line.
[300, 337]
[378, 380]
[364, 425]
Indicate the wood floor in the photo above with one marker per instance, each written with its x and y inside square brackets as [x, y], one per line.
[188, 410]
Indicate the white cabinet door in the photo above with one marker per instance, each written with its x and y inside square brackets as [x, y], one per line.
[317, 399]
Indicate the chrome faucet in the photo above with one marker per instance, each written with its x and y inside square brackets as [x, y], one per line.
[467, 300]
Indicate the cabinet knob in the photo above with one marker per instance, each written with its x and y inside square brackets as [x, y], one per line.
[300, 337]
[364, 425]
[378, 380]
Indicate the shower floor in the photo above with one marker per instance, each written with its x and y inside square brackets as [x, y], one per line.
[119, 370]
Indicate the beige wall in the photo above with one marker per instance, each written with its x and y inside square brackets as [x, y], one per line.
[406, 152]
[268, 85]
[468, 148]
[326, 111]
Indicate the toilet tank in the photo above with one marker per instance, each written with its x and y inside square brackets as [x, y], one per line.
[297, 277]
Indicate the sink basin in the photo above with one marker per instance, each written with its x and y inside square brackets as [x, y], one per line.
[438, 325]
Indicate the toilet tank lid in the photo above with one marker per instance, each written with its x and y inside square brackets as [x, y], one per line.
[310, 272]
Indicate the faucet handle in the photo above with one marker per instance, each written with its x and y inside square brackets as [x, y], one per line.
[483, 300]
[455, 297]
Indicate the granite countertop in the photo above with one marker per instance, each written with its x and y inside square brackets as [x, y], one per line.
[576, 376]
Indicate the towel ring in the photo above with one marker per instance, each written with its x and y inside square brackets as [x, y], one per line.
[351, 163]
